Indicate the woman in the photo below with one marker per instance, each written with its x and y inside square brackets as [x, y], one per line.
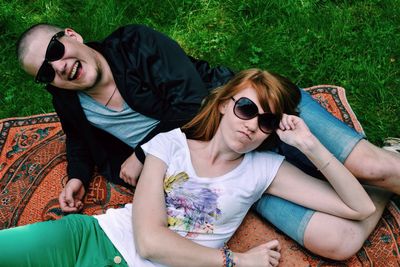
[196, 188]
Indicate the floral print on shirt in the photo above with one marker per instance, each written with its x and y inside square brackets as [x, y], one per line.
[190, 208]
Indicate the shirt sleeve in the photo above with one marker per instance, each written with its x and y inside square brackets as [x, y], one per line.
[266, 166]
[161, 145]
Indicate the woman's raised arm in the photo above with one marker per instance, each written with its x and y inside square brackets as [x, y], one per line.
[343, 196]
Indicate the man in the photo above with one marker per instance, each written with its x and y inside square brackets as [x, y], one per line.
[114, 95]
[135, 67]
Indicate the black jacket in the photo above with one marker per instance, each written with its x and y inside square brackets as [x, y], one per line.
[154, 77]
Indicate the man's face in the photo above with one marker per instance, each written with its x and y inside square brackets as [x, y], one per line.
[79, 68]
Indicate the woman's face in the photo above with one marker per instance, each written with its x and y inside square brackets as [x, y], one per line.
[241, 135]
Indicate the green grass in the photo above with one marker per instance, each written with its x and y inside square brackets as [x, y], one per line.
[354, 44]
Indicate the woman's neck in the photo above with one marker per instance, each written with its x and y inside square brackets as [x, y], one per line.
[212, 158]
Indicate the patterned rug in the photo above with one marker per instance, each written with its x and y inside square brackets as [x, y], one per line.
[33, 172]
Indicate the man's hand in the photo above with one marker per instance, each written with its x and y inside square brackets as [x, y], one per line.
[130, 170]
[71, 196]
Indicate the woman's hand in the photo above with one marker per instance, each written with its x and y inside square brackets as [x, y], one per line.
[293, 131]
[264, 255]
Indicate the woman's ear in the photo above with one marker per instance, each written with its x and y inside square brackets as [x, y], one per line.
[73, 34]
[223, 106]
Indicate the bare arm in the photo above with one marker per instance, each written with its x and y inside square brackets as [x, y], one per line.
[130, 170]
[343, 196]
[156, 242]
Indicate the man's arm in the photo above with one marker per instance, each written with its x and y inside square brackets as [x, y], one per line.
[168, 73]
[212, 77]
[157, 78]
[79, 166]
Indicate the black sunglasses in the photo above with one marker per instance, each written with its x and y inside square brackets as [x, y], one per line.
[55, 51]
[246, 109]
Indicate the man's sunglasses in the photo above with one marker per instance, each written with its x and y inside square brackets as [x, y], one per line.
[55, 51]
[246, 109]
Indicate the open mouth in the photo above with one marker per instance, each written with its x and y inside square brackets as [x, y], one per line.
[76, 69]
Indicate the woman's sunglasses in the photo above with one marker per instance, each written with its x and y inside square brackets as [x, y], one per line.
[55, 51]
[246, 109]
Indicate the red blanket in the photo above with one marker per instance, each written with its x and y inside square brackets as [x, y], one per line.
[33, 172]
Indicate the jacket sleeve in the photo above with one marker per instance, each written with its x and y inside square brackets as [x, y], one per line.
[161, 74]
[212, 77]
[172, 84]
[80, 164]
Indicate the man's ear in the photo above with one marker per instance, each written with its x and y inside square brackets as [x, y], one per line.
[73, 34]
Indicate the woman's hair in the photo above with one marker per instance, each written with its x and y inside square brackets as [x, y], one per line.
[272, 89]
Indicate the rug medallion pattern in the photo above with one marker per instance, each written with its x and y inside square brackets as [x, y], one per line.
[33, 172]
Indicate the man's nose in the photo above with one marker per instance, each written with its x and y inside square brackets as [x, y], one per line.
[59, 66]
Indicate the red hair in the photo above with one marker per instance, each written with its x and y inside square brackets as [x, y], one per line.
[272, 90]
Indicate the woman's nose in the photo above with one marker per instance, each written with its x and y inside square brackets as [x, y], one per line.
[252, 124]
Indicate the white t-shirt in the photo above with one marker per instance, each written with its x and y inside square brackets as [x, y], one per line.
[205, 210]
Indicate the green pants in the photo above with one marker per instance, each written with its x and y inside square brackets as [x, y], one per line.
[75, 240]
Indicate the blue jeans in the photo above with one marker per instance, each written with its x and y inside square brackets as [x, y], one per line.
[336, 136]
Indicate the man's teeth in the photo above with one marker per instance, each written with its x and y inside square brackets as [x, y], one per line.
[73, 72]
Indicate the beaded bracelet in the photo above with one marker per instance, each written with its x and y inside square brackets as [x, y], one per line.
[223, 257]
[227, 256]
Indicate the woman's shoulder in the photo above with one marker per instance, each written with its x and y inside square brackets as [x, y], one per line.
[175, 136]
[166, 145]
[265, 160]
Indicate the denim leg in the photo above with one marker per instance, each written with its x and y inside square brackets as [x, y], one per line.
[335, 135]
[290, 218]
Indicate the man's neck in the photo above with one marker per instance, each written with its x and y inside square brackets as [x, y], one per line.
[106, 81]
